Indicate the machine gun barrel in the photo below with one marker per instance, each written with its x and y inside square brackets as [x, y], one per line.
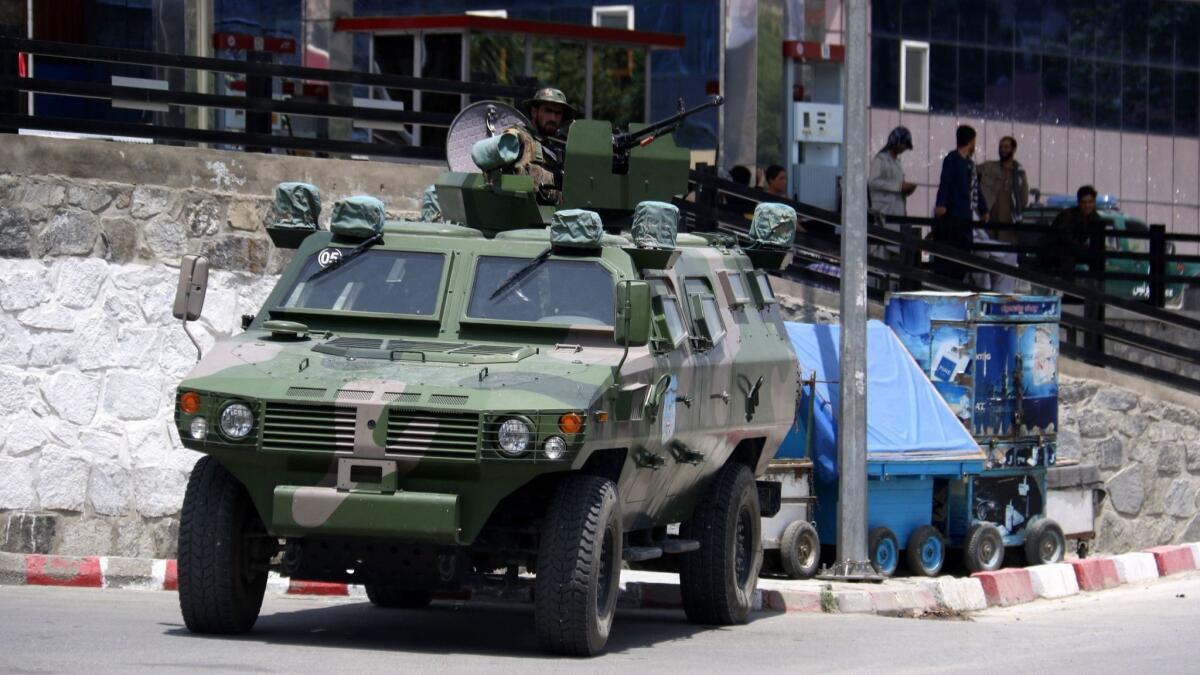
[624, 142]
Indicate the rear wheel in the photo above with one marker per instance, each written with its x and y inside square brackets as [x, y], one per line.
[718, 580]
[223, 553]
[578, 567]
[984, 548]
[397, 598]
[800, 550]
[1044, 542]
[883, 550]
[926, 551]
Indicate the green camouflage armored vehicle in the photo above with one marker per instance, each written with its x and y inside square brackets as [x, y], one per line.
[423, 407]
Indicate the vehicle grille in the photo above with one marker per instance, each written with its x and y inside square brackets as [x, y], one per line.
[433, 434]
[291, 427]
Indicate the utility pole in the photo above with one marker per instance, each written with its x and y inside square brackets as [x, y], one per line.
[852, 557]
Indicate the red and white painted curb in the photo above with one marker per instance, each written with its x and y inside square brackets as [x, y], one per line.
[652, 590]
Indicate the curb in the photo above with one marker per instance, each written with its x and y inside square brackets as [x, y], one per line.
[981, 590]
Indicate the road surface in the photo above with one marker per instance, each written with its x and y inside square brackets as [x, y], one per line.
[1148, 628]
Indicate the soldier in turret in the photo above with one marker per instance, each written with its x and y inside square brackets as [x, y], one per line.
[549, 117]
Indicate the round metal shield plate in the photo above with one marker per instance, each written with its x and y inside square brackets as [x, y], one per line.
[471, 126]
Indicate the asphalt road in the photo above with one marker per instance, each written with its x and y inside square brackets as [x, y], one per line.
[1149, 628]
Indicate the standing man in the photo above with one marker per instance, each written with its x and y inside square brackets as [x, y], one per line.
[544, 142]
[886, 188]
[959, 202]
[1006, 189]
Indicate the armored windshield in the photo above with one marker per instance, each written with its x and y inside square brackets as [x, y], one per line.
[389, 282]
[569, 292]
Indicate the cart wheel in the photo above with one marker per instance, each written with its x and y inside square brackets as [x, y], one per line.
[984, 548]
[926, 552]
[884, 551]
[800, 550]
[1044, 542]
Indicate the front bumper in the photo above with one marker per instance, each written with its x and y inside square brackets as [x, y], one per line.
[411, 516]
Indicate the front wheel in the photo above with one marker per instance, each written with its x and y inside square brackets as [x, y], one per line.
[578, 567]
[883, 550]
[1044, 542]
[800, 550]
[223, 553]
[984, 548]
[718, 580]
[926, 551]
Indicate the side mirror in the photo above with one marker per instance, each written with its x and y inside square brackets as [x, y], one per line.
[193, 283]
[632, 314]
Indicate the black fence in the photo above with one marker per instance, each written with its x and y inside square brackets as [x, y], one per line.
[259, 104]
[901, 258]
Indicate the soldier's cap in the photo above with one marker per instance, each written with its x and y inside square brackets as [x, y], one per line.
[550, 95]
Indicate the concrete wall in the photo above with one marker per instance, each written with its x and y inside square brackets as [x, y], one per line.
[90, 236]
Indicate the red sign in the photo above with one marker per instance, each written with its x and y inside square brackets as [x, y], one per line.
[241, 42]
[813, 51]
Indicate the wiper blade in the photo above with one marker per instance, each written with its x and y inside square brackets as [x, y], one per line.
[354, 252]
[520, 274]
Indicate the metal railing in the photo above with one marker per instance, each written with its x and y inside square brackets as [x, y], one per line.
[816, 260]
[258, 103]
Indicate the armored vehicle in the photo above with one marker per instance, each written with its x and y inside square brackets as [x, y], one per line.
[422, 407]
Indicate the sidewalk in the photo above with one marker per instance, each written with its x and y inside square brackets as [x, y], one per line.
[905, 596]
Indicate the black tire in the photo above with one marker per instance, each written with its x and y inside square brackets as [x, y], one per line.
[391, 597]
[1044, 542]
[718, 580]
[222, 563]
[925, 552]
[884, 551]
[578, 567]
[983, 550]
[800, 550]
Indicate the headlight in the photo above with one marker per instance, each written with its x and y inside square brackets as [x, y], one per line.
[513, 437]
[237, 420]
[555, 447]
[199, 428]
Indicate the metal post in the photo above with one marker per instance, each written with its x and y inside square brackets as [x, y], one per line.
[852, 556]
[1158, 265]
[10, 100]
[1093, 341]
[258, 86]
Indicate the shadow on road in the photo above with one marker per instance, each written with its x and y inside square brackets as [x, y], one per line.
[446, 628]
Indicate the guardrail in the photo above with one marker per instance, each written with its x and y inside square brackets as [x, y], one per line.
[817, 259]
[258, 103]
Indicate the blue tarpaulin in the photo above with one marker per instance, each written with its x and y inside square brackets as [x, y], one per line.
[907, 420]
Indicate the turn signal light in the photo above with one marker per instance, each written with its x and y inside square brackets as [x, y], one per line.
[570, 423]
[190, 403]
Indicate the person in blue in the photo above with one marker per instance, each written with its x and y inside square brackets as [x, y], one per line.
[959, 202]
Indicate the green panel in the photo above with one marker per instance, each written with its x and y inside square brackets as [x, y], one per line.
[413, 516]
[509, 203]
[657, 172]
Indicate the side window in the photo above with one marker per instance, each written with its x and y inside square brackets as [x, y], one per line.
[734, 284]
[763, 293]
[707, 328]
[669, 330]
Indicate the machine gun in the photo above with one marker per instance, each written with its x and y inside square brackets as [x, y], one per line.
[625, 141]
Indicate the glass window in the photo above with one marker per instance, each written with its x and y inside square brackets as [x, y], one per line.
[706, 317]
[570, 292]
[1160, 32]
[915, 19]
[1187, 49]
[1133, 98]
[885, 73]
[618, 85]
[735, 287]
[1028, 35]
[1083, 94]
[1160, 101]
[389, 282]
[766, 294]
[1187, 103]
[1055, 76]
[1083, 28]
[1001, 23]
[1027, 86]
[943, 20]
[914, 75]
[1133, 33]
[668, 318]
[885, 17]
[972, 74]
[1108, 95]
[1108, 29]
[1056, 26]
[998, 96]
[943, 78]
[972, 25]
